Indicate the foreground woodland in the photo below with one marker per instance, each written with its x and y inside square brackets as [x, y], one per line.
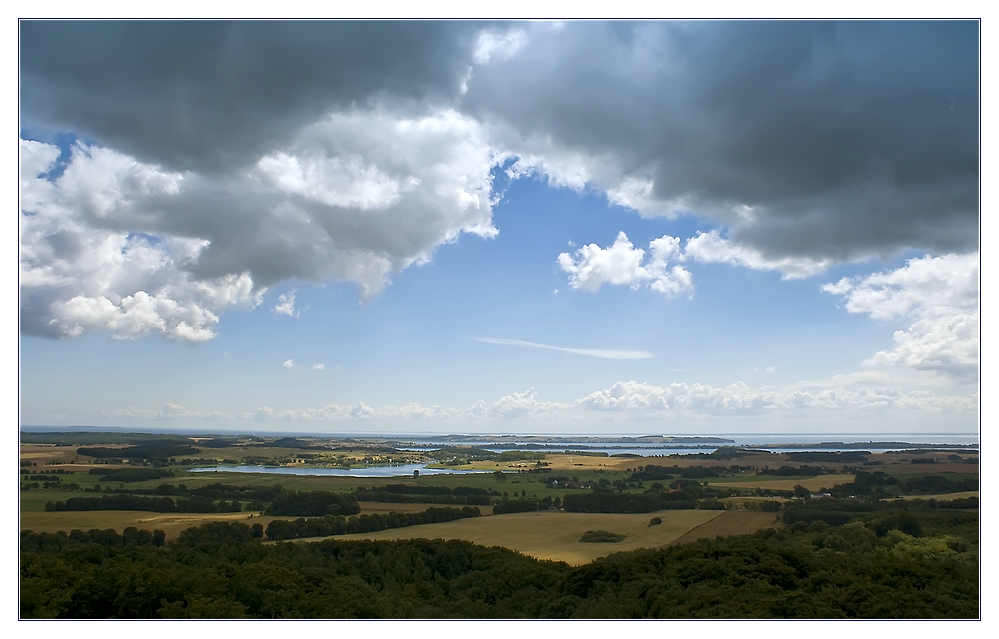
[884, 563]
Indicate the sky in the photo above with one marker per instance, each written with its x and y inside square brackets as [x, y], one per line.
[513, 227]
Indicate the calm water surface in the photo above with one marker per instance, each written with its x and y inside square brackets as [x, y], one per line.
[402, 470]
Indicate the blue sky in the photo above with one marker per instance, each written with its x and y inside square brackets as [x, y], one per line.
[406, 248]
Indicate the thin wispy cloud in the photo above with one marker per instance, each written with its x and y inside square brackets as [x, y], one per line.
[602, 353]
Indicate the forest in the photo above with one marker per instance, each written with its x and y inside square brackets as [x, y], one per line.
[885, 560]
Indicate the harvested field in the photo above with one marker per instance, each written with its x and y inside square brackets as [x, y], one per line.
[41, 454]
[173, 523]
[558, 462]
[778, 483]
[170, 523]
[730, 522]
[555, 535]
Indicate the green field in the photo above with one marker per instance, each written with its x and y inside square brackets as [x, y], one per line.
[783, 483]
[948, 496]
[513, 484]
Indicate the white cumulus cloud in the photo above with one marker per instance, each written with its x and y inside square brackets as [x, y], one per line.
[820, 401]
[361, 411]
[115, 244]
[622, 264]
[940, 296]
[82, 269]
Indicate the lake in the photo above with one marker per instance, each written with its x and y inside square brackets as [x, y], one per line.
[402, 470]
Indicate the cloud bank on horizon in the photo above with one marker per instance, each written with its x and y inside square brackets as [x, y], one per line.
[219, 162]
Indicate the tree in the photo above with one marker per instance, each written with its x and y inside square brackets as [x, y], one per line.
[499, 476]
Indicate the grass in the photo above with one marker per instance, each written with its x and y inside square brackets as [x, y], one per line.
[34, 500]
[783, 483]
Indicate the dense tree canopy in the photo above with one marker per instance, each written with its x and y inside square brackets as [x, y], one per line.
[883, 560]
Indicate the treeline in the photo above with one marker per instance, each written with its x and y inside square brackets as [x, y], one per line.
[461, 455]
[280, 529]
[406, 494]
[791, 471]
[654, 472]
[869, 567]
[52, 478]
[522, 505]
[150, 504]
[311, 504]
[850, 457]
[727, 452]
[254, 494]
[520, 455]
[931, 484]
[155, 449]
[611, 502]
[110, 538]
[52, 471]
[126, 475]
[880, 484]
[837, 512]
[216, 498]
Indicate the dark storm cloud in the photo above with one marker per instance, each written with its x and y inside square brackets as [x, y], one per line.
[211, 95]
[255, 152]
[845, 138]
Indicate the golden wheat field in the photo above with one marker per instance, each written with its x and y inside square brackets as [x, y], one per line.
[555, 535]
